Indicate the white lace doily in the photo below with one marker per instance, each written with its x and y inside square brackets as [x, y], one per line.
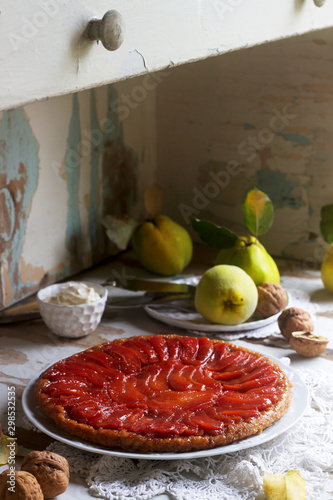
[308, 447]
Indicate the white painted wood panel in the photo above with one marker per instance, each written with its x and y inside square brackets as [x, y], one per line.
[43, 54]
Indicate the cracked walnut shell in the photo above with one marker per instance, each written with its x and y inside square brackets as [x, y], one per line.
[294, 319]
[307, 344]
[50, 469]
[272, 298]
[19, 485]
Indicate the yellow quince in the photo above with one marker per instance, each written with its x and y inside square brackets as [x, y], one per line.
[162, 246]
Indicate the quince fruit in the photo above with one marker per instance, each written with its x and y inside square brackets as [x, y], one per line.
[251, 256]
[162, 246]
[327, 269]
[226, 295]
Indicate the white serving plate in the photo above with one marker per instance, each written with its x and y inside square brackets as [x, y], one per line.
[182, 314]
[296, 410]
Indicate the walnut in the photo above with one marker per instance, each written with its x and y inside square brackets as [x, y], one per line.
[307, 344]
[272, 298]
[50, 469]
[19, 485]
[294, 319]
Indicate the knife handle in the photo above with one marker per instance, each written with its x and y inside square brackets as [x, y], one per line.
[30, 307]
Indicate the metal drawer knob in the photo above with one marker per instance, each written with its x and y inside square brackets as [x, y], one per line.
[319, 3]
[109, 30]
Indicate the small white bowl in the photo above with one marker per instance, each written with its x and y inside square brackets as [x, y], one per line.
[68, 320]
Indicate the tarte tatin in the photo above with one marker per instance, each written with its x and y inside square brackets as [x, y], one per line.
[164, 393]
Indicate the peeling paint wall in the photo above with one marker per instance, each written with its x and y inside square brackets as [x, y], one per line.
[207, 132]
[19, 177]
[64, 164]
[257, 117]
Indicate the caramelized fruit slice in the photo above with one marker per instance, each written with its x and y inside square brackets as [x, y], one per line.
[163, 386]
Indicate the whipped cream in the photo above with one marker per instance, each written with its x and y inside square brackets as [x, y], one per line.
[75, 294]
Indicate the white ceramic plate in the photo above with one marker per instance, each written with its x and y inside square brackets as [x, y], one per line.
[296, 410]
[182, 314]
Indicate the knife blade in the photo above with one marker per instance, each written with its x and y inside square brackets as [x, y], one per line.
[31, 311]
[139, 285]
[147, 299]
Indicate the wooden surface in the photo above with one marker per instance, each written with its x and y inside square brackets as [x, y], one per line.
[43, 53]
[28, 347]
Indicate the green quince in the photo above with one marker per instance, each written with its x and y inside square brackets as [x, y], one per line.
[251, 256]
[162, 246]
[226, 295]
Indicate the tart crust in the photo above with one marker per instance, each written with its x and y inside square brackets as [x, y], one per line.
[164, 393]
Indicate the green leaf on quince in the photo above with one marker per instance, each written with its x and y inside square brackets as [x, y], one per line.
[119, 229]
[258, 212]
[326, 223]
[214, 235]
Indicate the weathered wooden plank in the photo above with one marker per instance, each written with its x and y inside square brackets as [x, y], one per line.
[260, 117]
[64, 164]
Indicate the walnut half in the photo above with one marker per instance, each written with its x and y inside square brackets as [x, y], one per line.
[50, 469]
[308, 344]
[19, 485]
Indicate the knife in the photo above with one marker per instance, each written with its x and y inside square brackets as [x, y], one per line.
[139, 285]
[156, 290]
[148, 298]
[30, 311]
